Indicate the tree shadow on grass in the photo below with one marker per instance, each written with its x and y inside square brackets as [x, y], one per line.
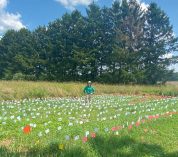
[104, 147]
[127, 147]
[51, 150]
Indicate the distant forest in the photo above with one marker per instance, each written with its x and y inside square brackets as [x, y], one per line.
[118, 44]
[174, 77]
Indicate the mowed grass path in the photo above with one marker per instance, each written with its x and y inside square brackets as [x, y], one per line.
[60, 124]
[13, 90]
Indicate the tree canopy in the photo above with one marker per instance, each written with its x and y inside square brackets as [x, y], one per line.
[118, 44]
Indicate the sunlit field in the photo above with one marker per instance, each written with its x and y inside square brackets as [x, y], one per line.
[121, 55]
[175, 83]
[16, 90]
[126, 126]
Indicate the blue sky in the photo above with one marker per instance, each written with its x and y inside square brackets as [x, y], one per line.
[41, 12]
[32, 13]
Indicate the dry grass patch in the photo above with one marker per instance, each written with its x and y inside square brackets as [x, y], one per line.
[5, 143]
[10, 90]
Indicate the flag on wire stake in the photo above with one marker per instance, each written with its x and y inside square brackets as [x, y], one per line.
[27, 129]
[130, 127]
[67, 137]
[87, 133]
[61, 146]
[96, 129]
[106, 129]
[76, 138]
[93, 135]
[84, 139]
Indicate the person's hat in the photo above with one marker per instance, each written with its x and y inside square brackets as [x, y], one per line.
[89, 82]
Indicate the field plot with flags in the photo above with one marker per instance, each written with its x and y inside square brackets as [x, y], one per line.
[127, 126]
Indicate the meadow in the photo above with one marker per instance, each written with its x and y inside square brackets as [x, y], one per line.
[15, 90]
[109, 126]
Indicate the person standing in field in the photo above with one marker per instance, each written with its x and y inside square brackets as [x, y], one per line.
[88, 90]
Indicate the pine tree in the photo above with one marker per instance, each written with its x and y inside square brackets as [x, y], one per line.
[43, 48]
[159, 41]
[129, 22]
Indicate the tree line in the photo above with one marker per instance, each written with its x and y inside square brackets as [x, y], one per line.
[118, 44]
[174, 77]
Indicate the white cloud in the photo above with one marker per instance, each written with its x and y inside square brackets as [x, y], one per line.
[168, 55]
[171, 67]
[143, 5]
[71, 4]
[3, 4]
[175, 67]
[9, 20]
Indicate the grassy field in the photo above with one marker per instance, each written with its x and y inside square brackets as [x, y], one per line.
[12, 90]
[110, 126]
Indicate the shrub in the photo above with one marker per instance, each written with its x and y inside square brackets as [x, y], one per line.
[18, 76]
[30, 77]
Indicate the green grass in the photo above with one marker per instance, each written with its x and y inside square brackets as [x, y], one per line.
[154, 138]
[13, 90]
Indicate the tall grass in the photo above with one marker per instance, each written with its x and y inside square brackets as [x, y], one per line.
[10, 90]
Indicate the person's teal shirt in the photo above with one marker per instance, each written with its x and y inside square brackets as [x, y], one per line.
[89, 90]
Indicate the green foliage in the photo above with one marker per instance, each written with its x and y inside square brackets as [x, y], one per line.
[120, 44]
[30, 77]
[18, 76]
[159, 40]
[174, 77]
